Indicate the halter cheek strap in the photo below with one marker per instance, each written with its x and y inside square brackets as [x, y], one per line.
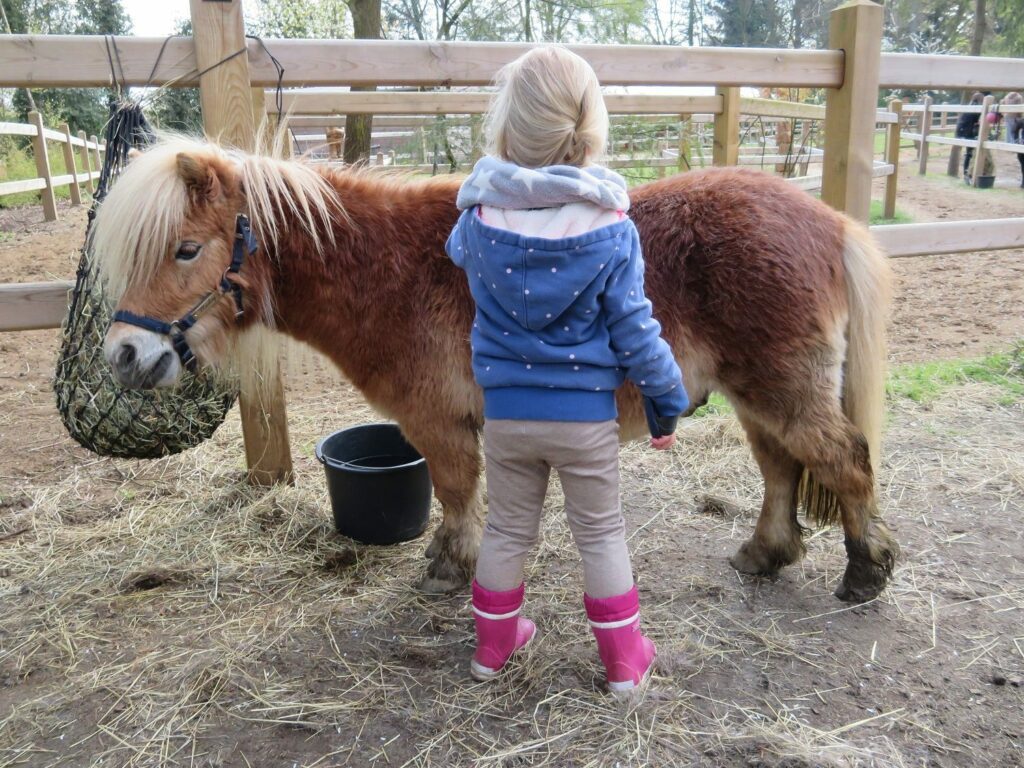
[245, 244]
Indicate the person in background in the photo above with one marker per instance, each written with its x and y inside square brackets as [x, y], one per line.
[967, 128]
[1015, 127]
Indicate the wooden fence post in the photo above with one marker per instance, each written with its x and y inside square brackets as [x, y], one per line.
[83, 154]
[69, 164]
[46, 195]
[684, 163]
[476, 138]
[986, 107]
[892, 157]
[926, 127]
[226, 97]
[96, 152]
[727, 128]
[856, 28]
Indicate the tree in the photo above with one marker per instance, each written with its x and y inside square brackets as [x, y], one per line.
[747, 23]
[358, 127]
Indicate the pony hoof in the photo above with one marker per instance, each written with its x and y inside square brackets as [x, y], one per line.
[443, 576]
[757, 560]
[430, 585]
[744, 562]
[865, 579]
[862, 582]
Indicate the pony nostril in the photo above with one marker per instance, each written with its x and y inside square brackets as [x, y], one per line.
[126, 356]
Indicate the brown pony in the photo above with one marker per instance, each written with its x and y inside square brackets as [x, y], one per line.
[765, 294]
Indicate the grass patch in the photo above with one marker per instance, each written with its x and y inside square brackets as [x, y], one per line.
[925, 382]
[877, 217]
[17, 163]
[717, 405]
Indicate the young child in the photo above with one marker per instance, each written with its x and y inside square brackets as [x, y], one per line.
[555, 269]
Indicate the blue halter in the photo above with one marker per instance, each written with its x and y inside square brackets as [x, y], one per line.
[245, 244]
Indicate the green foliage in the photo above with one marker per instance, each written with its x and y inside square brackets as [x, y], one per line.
[716, 405]
[303, 18]
[17, 163]
[177, 109]
[925, 382]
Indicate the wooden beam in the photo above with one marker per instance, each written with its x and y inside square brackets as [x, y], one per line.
[950, 237]
[856, 29]
[83, 153]
[69, 164]
[727, 128]
[31, 306]
[683, 162]
[96, 150]
[41, 61]
[773, 108]
[983, 131]
[42, 159]
[892, 156]
[17, 129]
[226, 97]
[337, 102]
[933, 72]
[926, 126]
[22, 185]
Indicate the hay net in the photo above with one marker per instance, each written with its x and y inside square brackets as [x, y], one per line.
[98, 413]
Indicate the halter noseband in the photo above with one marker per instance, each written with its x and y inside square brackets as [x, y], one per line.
[245, 244]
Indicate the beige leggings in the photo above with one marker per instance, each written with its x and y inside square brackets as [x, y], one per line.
[520, 456]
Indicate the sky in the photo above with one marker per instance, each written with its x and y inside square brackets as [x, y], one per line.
[155, 18]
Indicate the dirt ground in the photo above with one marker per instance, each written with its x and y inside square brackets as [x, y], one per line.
[165, 613]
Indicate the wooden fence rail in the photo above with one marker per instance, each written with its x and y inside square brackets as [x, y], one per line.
[45, 182]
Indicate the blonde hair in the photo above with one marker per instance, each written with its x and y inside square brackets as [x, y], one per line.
[549, 110]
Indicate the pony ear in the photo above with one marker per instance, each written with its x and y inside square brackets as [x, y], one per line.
[199, 177]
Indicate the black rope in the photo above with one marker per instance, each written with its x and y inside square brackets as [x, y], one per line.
[109, 42]
[198, 73]
[279, 88]
[159, 57]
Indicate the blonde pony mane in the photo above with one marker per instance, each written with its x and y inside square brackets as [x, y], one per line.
[143, 214]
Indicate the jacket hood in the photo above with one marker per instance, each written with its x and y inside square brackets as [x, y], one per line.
[537, 280]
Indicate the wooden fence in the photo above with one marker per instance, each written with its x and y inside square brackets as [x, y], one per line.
[89, 156]
[929, 133]
[232, 94]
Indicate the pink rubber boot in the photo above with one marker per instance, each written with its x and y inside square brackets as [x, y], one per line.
[500, 631]
[628, 656]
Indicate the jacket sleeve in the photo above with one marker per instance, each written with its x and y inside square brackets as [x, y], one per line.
[454, 246]
[636, 339]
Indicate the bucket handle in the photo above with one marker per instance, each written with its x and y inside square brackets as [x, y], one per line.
[319, 453]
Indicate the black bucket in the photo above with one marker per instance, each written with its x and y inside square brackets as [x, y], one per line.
[986, 182]
[378, 483]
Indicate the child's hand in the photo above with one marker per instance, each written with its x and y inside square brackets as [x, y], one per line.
[663, 443]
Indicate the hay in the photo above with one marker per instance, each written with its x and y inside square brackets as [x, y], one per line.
[189, 619]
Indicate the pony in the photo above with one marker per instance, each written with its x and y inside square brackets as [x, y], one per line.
[764, 293]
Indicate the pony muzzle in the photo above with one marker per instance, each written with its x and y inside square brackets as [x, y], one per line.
[141, 359]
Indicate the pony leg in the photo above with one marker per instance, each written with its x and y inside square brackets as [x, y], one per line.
[836, 455]
[452, 452]
[777, 539]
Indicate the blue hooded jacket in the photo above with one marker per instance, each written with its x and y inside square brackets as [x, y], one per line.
[560, 323]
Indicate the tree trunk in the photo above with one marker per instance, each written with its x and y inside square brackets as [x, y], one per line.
[979, 27]
[358, 127]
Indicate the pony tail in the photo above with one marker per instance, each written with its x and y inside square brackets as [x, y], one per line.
[868, 280]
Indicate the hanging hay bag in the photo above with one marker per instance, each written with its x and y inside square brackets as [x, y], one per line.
[98, 412]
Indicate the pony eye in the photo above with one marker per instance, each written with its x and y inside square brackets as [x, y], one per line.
[188, 251]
